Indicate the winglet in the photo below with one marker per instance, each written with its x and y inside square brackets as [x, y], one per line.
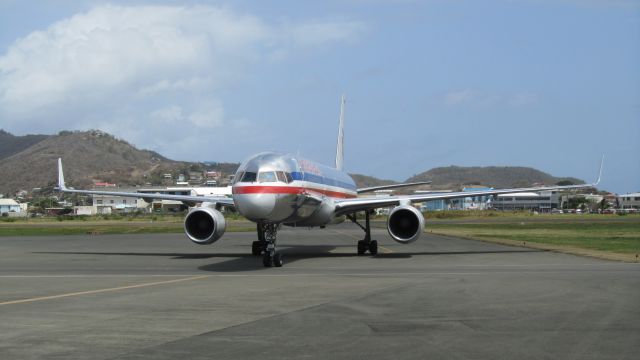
[61, 186]
[600, 172]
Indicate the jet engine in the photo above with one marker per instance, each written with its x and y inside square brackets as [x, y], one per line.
[204, 225]
[405, 224]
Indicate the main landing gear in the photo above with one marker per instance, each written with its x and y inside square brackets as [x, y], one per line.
[266, 245]
[365, 244]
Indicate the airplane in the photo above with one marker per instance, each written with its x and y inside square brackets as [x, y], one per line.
[274, 189]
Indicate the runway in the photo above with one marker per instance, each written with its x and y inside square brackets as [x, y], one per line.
[158, 296]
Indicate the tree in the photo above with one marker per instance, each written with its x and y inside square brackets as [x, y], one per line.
[576, 202]
[604, 204]
[565, 183]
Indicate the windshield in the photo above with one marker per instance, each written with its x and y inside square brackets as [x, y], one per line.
[249, 177]
[267, 176]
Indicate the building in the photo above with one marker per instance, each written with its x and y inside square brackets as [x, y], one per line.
[543, 201]
[473, 202]
[212, 174]
[434, 205]
[84, 210]
[629, 201]
[104, 204]
[468, 203]
[9, 206]
[107, 204]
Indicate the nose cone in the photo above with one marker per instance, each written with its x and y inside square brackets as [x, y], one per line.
[255, 207]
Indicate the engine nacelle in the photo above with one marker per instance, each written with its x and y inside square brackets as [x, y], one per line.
[405, 224]
[204, 225]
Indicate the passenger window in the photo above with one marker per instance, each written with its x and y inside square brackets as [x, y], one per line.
[281, 176]
[249, 177]
[268, 176]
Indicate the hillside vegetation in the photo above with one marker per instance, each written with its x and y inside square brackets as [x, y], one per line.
[10, 144]
[88, 156]
[453, 177]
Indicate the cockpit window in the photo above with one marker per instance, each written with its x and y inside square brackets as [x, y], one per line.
[289, 177]
[281, 176]
[249, 177]
[267, 176]
[238, 177]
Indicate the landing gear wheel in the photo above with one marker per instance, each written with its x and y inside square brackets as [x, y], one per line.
[257, 247]
[373, 247]
[267, 260]
[362, 247]
[277, 260]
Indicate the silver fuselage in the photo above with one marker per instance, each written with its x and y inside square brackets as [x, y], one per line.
[282, 188]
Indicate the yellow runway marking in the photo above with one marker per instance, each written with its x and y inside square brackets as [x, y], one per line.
[41, 298]
[384, 249]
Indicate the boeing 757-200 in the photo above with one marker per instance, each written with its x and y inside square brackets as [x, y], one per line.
[274, 189]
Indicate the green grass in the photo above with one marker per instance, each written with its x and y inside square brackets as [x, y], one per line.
[612, 236]
[93, 226]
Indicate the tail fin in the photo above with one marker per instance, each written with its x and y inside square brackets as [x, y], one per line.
[340, 148]
[600, 172]
[61, 186]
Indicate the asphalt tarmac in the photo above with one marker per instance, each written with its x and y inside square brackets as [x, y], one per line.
[161, 297]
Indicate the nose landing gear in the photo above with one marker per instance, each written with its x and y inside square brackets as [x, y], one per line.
[258, 247]
[271, 257]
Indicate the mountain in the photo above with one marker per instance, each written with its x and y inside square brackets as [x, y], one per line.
[87, 156]
[454, 177]
[10, 144]
[363, 181]
[28, 162]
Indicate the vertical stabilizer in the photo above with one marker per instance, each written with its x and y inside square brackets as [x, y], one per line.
[61, 186]
[340, 148]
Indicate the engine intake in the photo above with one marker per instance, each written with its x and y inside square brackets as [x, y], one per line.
[405, 224]
[204, 225]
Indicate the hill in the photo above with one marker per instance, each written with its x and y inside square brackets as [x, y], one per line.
[88, 156]
[454, 177]
[28, 162]
[10, 144]
[369, 181]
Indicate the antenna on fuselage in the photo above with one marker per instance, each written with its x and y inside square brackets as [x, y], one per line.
[340, 147]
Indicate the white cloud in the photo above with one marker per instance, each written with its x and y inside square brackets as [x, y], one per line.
[320, 33]
[458, 97]
[481, 99]
[207, 115]
[124, 68]
[523, 98]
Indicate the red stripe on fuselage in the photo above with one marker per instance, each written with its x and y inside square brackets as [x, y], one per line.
[287, 190]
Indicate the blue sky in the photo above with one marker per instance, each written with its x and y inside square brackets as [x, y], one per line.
[547, 84]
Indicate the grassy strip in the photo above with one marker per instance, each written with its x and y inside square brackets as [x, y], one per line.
[105, 227]
[601, 236]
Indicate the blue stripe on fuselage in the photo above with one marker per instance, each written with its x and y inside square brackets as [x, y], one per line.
[296, 175]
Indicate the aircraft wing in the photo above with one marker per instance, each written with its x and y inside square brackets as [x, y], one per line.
[346, 206]
[187, 199]
[391, 186]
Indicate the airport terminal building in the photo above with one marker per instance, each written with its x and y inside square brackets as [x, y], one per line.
[544, 201]
[629, 201]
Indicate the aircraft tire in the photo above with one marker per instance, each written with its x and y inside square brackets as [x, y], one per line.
[267, 260]
[362, 247]
[256, 248]
[277, 260]
[373, 247]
